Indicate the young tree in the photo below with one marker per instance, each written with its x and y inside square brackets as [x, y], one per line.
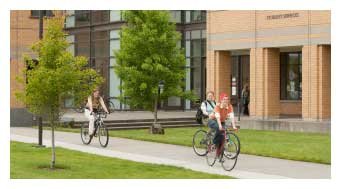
[57, 76]
[149, 55]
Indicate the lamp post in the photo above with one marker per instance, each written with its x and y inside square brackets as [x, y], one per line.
[40, 120]
[156, 127]
[161, 85]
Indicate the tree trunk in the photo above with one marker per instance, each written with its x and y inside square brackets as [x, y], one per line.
[53, 160]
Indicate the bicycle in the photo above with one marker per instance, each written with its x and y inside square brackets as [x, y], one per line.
[110, 104]
[202, 137]
[100, 130]
[230, 149]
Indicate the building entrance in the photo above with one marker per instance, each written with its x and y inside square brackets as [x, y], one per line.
[240, 76]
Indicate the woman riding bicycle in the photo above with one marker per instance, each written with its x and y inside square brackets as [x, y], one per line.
[222, 112]
[95, 101]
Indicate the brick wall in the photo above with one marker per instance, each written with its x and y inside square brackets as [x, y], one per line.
[24, 32]
[316, 92]
[291, 108]
[264, 82]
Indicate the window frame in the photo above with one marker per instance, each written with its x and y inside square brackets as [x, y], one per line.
[299, 65]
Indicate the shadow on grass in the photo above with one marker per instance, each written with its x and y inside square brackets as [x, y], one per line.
[47, 167]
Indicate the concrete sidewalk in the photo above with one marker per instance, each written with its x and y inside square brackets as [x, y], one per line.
[248, 166]
[133, 115]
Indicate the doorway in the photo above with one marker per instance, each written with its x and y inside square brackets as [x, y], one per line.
[240, 75]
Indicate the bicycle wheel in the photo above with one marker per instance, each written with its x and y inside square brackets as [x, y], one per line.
[86, 139]
[234, 138]
[111, 107]
[211, 151]
[199, 142]
[228, 162]
[103, 136]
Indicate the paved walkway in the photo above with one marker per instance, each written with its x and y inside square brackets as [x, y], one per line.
[248, 166]
[134, 115]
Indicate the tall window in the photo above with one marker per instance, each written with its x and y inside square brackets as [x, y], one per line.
[195, 47]
[291, 76]
[115, 81]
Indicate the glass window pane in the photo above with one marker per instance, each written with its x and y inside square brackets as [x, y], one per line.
[100, 44]
[203, 34]
[70, 21]
[196, 16]
[203, 16]
[203, 47]
[112, 62]
[115, 15]
[188, 48]
[70, 38]
[114, 84]
[188, 35]
[196, 48]
[196, 80]
[188, 16]
[114, 46]
[188, 62]
[196, 34]
[114, 34]
[82, 44]
[196, 62]
[100, 17]
[82, 18]
[175, 16]
[291, 76]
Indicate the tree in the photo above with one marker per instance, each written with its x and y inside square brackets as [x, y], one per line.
[150, 54]
[57, 76]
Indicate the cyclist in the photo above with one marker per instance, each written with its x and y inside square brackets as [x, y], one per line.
[95, 101]
[207, 106]
[223, 112]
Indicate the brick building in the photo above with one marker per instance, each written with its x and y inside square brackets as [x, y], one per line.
[284, 56]
[24, 32]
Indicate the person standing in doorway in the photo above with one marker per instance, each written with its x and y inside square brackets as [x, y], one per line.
[245, 99]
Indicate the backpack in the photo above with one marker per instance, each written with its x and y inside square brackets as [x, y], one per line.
[199, 115]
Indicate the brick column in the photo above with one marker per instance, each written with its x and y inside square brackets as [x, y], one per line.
[264, 82]
[316, 82]
[218, 72]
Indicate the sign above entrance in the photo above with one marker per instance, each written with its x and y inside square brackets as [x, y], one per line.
[282, 16]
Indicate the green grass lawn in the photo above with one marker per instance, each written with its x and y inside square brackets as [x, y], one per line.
[31, 162]
[311, 147]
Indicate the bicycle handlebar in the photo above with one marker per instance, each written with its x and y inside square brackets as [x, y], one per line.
[100, 114]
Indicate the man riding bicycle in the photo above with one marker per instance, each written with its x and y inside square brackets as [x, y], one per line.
[223, 115]
[207, 107]
[95, 101]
